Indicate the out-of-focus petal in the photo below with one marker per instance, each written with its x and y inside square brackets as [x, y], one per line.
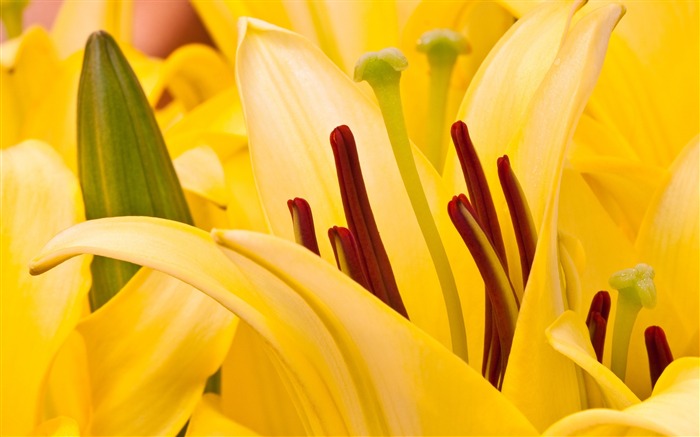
[669, 242]
[653, 65]
[77, 20]
[208, 420]
[40, 197]
[59, 426]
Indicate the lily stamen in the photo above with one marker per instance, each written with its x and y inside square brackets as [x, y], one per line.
[360, 218]
[658, 352]
[498, 286]
[303, 221]
[520, 216]
[597, 322]
[348, 257]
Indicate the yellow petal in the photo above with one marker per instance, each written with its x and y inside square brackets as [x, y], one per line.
[77, 20]
[606, 248]
[622, 186]
[181, 337]
[252, 382]
[669, 241]
[538, 158]
[671, 410]
[59, 426]
[221, 18]
[324, 304]
[660, 89]
[499, 96]
[68, 388]
[293, 78]
[192, 74]
[293, 332]
[569, 336]
[29, 65]
[208, 420]
[40, 197]
[200, 171]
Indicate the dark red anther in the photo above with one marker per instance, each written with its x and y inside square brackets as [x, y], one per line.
[360, 218]
[303, 222]
[498, 286]
[523, 225]
[597, 322]
[348, 257]
[479, 192]
[658, 351]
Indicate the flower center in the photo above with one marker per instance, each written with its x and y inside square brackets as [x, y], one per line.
[635, 290]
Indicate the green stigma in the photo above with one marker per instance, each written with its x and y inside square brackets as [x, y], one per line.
[382, 70]
[441, 47]
[636, 290]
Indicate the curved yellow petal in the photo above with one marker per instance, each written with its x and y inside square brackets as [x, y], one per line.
[498, 98]
[660, 89]
[414, 379]
[77, 20]
[412, 405]
[29, 65]
[284, 83]
[208, 420]
[40, 197]
[59, 426]
[252, 382]
[671, 410]
[200, 171]
[181, 337]
[538, 152]
[569, 336]
[669, 242]
[221, 18]
[622, 186]
[315, 372]
[192, 74]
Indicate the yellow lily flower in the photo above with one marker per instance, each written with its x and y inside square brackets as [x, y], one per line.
[625, 156]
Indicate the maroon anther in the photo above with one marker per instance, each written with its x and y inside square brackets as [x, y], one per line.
[303, 222]
[658, 352]
[523, 225]
[360, 218]
[348, 257]
[485, 213]
[597, 322]
[479, 192]
[498, 287]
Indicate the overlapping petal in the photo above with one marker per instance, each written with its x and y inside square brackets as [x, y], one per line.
[406, 382]
[672, 409]
[40, 197]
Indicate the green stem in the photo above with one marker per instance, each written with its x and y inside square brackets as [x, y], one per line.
[625, 317]
[635, 290]
[442, 47]
[382, 71]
